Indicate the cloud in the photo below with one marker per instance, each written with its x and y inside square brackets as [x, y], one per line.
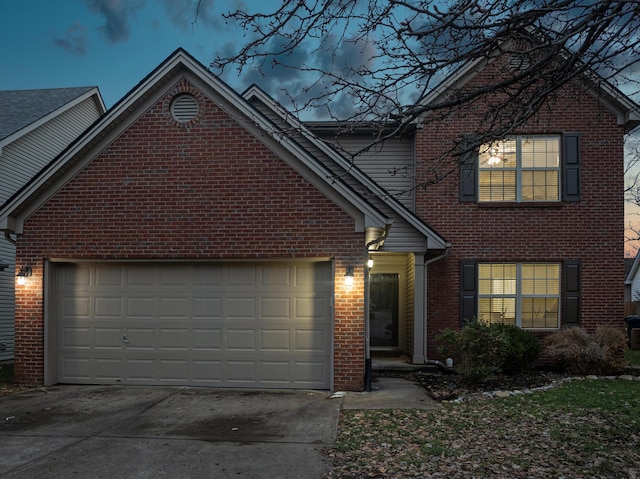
[187, 14]
[74, 41]
[115, 13]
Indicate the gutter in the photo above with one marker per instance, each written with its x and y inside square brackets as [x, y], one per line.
[424, 337]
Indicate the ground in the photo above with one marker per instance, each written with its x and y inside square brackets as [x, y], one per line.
[445, 387]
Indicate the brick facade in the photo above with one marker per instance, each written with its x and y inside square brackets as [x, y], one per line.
[589, 230]
[206, 190]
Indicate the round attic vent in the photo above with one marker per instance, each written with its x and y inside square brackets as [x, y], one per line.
[184, 108]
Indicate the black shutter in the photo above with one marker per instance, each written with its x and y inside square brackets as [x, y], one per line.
[468, 291]
[469, 171]
[571, 166]
[571, 313]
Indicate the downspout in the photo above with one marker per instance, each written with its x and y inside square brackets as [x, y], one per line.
[367, 327]
[424, 338]
[8, 237]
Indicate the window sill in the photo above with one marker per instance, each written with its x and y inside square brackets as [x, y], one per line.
[524, 204]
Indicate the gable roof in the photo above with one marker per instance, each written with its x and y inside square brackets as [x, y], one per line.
[177, 66]
[23, 110]
[346, 167]
[632, 270]
[626, 110]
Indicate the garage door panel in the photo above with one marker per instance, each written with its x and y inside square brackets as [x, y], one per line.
[311, 308]
[277, 275]
[109, 277]
[208, 275]
[140, 338]
[240, 340]
[207, 308]
[275, 371]
[78, 306]
[310, 339]
[207, 372]
[174, 307]
[242, 275]
[207, 339]
[77, 276]
[109, 369]
[76, 337]
[240, 308]
[275, 340]
[79, 369]
[275, 308]
[240, 371]
[309, 372]
[222, 325]
[108, 338]
[108, 307]
[174, 339]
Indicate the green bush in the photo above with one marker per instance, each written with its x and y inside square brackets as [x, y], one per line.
[577, 352]
[480, 350]
[523, 348]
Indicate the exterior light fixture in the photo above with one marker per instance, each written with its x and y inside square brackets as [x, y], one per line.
[370, 263]
[348, 276]
[24, 273]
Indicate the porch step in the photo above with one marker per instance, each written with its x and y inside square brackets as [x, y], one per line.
[391, 364]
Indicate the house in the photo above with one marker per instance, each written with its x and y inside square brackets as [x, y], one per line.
[632, 280]
[35, 126]
[206, 238]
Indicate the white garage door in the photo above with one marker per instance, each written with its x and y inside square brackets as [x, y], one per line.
[265, 325]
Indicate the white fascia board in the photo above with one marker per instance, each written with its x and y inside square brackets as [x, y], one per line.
[41, 121]
[632, 271]
[255, 123]
[433, 238]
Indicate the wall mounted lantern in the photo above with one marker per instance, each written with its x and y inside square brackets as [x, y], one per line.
[24, 273]
[370, 263]
[348, 276]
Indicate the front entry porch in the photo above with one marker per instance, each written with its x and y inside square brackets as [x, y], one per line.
[396, 306]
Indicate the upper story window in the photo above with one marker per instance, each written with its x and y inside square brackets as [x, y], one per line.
[520, 169]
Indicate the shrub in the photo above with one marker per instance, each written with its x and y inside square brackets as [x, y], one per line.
[480, 350]
[577, 352]
[522, 350]
[475, 351]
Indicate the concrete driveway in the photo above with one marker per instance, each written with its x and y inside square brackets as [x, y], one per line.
[151, 432]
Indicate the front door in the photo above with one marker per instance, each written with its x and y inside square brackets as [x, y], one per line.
[383, 309]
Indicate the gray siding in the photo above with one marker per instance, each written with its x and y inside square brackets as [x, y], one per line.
[403, 237]
[26, 156]
[7, 306]
[390, 164]
[20, 161]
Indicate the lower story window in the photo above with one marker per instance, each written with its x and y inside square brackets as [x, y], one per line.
[524, 294]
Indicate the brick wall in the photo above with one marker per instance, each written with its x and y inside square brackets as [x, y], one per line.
[590, 230]
[207, 190]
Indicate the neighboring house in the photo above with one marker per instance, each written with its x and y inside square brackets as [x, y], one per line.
[35, 126]
[194, 236]
[632, 279]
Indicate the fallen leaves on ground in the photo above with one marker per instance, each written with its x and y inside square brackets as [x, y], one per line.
[517, 437]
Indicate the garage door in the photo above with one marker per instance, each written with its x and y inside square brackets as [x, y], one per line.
[265, 325]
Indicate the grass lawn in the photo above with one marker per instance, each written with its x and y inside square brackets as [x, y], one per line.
[584, 428]
[633, 357]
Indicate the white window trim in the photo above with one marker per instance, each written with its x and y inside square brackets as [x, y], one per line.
[519, 169]
[519, 295]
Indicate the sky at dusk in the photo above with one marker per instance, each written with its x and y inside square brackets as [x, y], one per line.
[114, 44]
